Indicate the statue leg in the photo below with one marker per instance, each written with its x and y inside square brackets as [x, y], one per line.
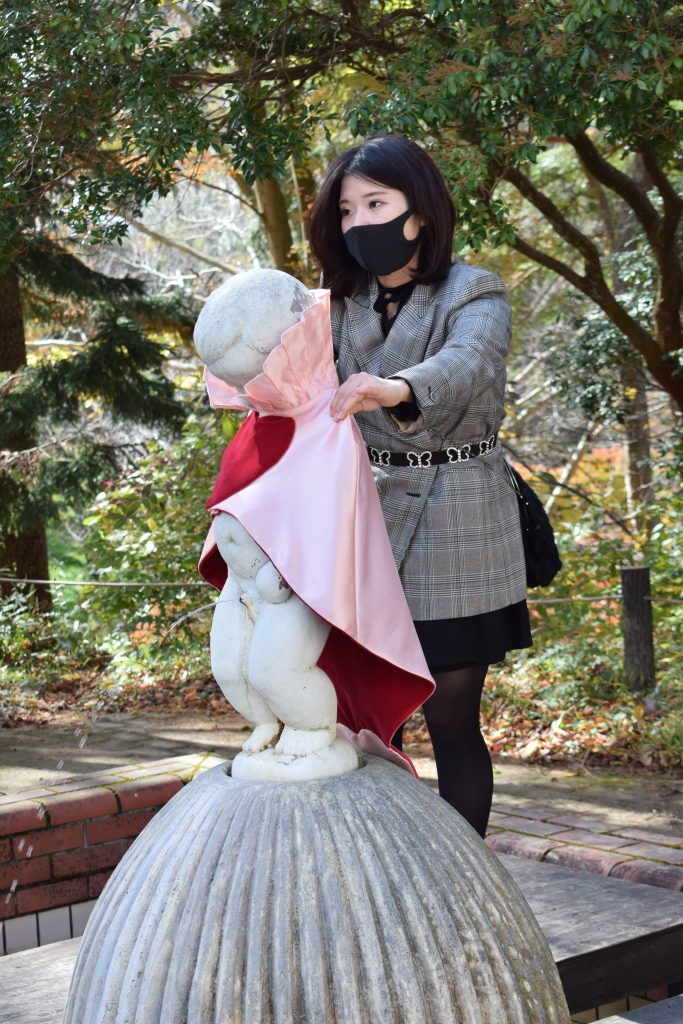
[287, 641]
[231, 633]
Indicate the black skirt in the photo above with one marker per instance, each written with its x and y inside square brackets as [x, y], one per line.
[474, 639]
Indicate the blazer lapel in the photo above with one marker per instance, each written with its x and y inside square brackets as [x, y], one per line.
[365, 330]
[408, 338]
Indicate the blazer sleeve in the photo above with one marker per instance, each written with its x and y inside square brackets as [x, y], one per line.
[473, 355]
[336, 318]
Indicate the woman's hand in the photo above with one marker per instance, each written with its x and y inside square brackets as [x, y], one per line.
[363, 392]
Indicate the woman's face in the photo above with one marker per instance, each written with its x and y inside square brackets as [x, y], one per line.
[368, 202]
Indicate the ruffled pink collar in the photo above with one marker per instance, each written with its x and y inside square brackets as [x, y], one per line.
[298, 369]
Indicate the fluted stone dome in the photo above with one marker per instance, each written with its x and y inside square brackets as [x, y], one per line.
[361, 899]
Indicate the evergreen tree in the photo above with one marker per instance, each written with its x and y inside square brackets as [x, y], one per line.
[92, 125]
[62, 414]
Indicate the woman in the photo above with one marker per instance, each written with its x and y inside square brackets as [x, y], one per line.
[421, 342]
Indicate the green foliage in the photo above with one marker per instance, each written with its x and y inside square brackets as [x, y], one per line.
[151, 525]
[586, 367]
[94, 118]
[496, 84]
[55, 411]
[145, 525]
[563, 698]
[575, 668]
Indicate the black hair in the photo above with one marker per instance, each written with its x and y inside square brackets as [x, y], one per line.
[395, 162]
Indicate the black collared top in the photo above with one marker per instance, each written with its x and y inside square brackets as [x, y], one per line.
[400, 295]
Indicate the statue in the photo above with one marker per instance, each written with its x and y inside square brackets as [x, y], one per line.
[313, 879]
[266, 344]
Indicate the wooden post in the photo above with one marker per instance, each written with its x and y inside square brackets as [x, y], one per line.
[636, 619]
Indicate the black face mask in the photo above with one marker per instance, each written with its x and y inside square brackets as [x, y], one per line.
[382, 248]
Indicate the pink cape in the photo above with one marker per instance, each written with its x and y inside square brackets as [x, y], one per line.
[301, 485]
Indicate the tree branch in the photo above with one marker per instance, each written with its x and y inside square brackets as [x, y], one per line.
[618, 182]
[229, 268]
[673, 203]
[544, 204]
[598, 291]
[546, 260]
[220, 188]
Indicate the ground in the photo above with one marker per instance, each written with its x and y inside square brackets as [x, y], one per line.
[71, 743]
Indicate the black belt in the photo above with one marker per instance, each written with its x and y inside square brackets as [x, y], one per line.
[418, 460]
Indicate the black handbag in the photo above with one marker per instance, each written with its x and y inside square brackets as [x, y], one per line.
[541, 556]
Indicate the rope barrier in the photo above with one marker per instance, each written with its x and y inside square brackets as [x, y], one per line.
[108, 583]
[203, 583]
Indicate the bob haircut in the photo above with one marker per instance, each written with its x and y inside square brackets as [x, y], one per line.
[395, 162]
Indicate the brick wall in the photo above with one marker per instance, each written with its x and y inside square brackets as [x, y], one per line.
[60, 843]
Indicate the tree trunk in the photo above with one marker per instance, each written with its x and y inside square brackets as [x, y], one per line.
[12, 340]
[24, 555]
[638, 479]
[640, 489]
[273, 208]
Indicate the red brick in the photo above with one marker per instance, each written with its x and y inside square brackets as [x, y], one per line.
[668, 854]
[66, 837]
[8, 906]
[600, 862]
[21, 817]
[665, 876]
[147, 792]
[96, 883]
[86, 860]
[529, 826]
[25, 872]
[595, 839]
[582, 822]
[117, 827]
[58, 894]
[4, 850]
[127, 843]
[657, 994]
[92, 803]
[519, 845]
[642, 835]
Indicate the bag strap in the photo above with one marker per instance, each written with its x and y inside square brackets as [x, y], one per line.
[512, 477]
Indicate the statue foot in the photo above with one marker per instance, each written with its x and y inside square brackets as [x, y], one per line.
[335, 759]
[262, 737]
[299, 742]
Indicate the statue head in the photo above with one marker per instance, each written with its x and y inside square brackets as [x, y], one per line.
[242, 321]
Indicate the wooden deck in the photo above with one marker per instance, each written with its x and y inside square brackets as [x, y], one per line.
[34, 983]
[670, 1011]
[609, 938]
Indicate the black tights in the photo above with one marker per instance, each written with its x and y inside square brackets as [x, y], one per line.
[463, 762]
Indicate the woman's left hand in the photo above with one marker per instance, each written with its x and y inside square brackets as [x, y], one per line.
[363, 392]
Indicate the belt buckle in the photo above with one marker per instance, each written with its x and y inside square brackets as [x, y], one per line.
[418, 460]
[459, 457]
[379, 458]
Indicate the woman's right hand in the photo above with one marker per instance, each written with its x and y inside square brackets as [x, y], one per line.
[363, 392]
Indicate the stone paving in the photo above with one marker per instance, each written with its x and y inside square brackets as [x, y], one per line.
[611, 826]
[586, 844]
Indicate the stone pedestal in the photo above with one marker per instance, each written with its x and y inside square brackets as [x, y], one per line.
[361, 899]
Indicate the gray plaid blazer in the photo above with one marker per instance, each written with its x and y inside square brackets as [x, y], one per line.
[454, 528]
